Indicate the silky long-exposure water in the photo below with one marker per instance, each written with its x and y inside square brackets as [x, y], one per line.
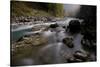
[55, 51]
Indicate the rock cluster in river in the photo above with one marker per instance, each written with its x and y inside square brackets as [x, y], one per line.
[78, 56]
[25, 41]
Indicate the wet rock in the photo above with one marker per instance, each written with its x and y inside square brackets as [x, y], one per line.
[24, 20]
[53, 25]
[74, 26]
[27, 35]
[37, 33]
[68, 42]
[81, 55]
[22, 38]
[70, 59]
[49, 18]
[73, 60]
[78, 60]
[35, 40]
[44, 19]
[30, 41]
[64, 27]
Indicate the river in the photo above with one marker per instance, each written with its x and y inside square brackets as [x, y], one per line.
[53, 52]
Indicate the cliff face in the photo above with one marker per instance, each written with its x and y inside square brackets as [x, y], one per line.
[88, 13]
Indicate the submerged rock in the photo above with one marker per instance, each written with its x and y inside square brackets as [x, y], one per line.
[68, 42]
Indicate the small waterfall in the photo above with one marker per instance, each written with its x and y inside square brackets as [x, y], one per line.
[77, 42]
[53, 49]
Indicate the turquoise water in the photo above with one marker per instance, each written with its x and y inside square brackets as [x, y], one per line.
[15, 35]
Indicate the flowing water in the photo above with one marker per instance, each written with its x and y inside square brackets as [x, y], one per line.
[53, 52]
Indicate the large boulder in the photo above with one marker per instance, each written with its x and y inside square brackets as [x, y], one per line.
[74, 26]
[78, 56]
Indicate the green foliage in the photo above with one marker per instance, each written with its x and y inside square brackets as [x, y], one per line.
[20, 8]
[55, 9]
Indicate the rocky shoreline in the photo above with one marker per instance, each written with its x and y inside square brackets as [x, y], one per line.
[31, 19]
